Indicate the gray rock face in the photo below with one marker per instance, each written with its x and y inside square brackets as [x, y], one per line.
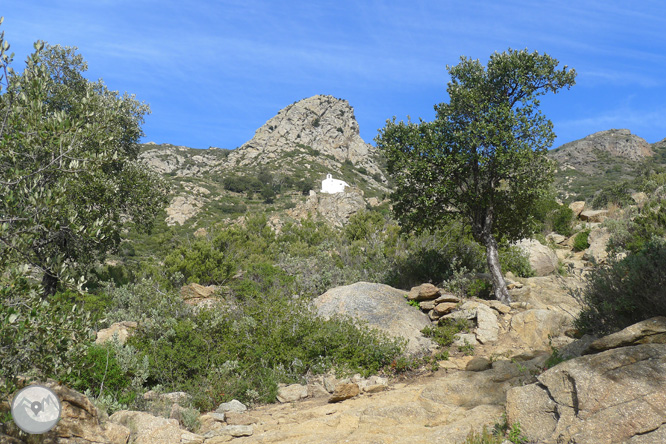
[231, 406]
[615, 396]
[381, 306]
[292, 393]
[323, 123]
[581, 154]
[336, 208]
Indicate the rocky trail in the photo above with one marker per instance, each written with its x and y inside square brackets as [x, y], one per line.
[523, 363]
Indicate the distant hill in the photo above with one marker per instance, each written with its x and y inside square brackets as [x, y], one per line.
[587, 165]
[290, 154]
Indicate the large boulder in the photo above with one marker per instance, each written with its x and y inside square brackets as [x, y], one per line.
[542, 259]
[120, 330]
[535, 328]
[650, 331]
[598, 240]
[616, 396]
[594, 215]
[148, 429]
[382, 307]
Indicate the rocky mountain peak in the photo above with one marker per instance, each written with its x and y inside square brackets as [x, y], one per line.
[321, 123]
[614, 142]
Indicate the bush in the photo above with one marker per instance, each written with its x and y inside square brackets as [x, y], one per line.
[443, 334]
[244, 350]
[144, 301]
[562, 220]
[635, 230]
[38, 337]
[581, 241]
[110, 371]
[200, 262]
[619, 195]
[624, 292]
[515, 260]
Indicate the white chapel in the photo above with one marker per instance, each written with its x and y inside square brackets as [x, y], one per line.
[332, 186]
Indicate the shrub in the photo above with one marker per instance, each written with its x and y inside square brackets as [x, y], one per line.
[624, 292]
[200, 262]
[581, 241]
[244, 350]
[443, 334]
[143, 301]
[562, 220]
[111, 371]
[480, 288]
[38, 337]
[635, 230]
[515, 260]
[619, 195]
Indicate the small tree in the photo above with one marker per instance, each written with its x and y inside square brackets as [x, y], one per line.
[484, 155]
[69, 176]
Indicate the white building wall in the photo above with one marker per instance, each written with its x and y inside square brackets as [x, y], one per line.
[332, 186]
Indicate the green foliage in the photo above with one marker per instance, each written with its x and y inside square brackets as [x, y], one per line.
[515, 260]
[242, 184]
[484, 156]
[363, 225]
[616, 194]
[243, 351]
[37, 337]
[635, 229]
[144, 301]
[563, 218]
[624, 292]
[200, 262]
[501, 432]
[69, 173]
[443, 334]
[581, 240]
[480, 288]
[110, 371]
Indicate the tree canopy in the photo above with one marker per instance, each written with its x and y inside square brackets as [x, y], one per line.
[70, 180]
[484, 156]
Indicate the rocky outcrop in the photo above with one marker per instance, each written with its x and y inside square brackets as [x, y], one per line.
[148, 429]
[651, 331]
[182, 208]
[336, 208]
[119, 330]
[196, 294]
[381, 306]
[581, 154]
[320, 123]
[598, 240]
[615, 396]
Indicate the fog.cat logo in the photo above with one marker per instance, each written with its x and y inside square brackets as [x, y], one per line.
[36, 409]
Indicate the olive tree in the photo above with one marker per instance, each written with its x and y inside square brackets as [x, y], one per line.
[70, 180]
[483, 157]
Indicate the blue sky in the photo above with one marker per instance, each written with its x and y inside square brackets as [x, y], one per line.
[215, 71]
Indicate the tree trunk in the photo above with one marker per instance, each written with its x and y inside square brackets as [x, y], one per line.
[49, 284]
[499, 285]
